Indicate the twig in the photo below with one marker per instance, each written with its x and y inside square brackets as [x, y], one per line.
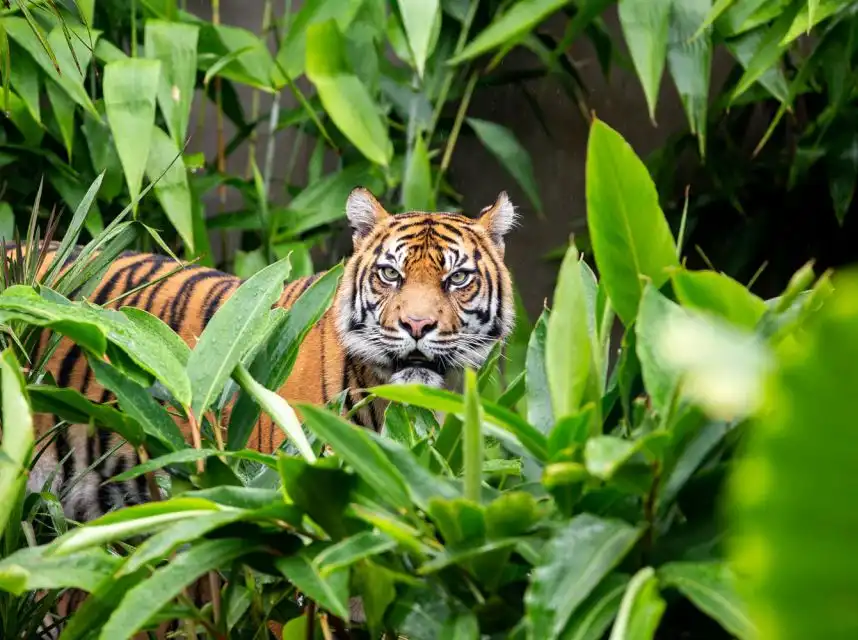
[197, 440]
[154, 490]
[457, 126]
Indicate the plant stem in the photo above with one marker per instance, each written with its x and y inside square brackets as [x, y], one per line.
[133, 28]
[454, 133]
[473, 439]
[195, 437]
[254, 99]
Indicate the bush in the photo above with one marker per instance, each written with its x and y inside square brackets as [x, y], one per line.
[585, 500]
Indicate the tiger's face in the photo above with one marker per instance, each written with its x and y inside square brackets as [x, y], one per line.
[425, 294]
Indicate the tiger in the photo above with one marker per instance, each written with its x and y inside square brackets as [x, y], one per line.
[423, 295]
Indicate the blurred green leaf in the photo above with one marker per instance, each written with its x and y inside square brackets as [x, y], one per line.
[507, 28]
[32, 569]
[18, 436]
[790, 538]
[596, 613]
[7, 222]
[712, 587]
[330, 591]
[175, 45]
[343, 95]
[26, 80]
[719, 294]
[102, 153]
[172, 190]
[473, 439]
[629, 233]
[843, 175]
[645, 26]
[347, 552]
[572, 564]
[641, 608]
[246, 263]
[360, 452]
[419, 18]
[689, 57]
[417, 191]
[539, 411]
[569, 363]
[21, 117]
[130, 90]
[514, 157]
[63, 109]
[147, 598]
[232, 329]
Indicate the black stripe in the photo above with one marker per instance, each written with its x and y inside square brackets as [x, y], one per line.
[146, 277]
[212, 306]
[182, 299]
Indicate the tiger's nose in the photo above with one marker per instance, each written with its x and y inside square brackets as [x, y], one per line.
[417, 327]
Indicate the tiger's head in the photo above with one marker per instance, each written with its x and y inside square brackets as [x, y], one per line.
[424, 294]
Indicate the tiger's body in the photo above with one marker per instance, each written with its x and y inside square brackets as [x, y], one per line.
[423, 295]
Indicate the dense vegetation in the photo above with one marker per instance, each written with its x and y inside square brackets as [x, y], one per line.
[699, 486]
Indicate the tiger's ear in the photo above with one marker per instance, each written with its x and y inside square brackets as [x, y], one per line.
[363, 212]
[499, 219]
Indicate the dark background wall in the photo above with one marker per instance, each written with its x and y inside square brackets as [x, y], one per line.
[558, 155]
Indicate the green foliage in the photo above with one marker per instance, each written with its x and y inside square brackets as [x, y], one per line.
[590, 511]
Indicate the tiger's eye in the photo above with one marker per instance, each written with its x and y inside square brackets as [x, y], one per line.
[459, 278]
[389, 274]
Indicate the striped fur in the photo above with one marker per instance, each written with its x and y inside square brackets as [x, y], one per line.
[449, 276]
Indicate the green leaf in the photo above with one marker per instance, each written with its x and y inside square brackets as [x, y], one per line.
[442, 400]
[70, 80]
[568, 347]
[175, 45]
[331, 591]
[232, 329]
[102, 153]
[364, 456]
[377, 590]
[843, 175]
[514, 157]
[63, 109]
[347, 552]
[150, 596]
[417, 192]
[419, 18]
[790, 539]
[689, 57]
[273, 363]
[606, 454]
[139, 404]
[31, 569]
[172, 189]
[718, 294]
[18, 435]
[712, 587]
[26, 80]
[130, 90]
[539, 411]
[645, 26]
[628, 231]
[158, 332]
[596, 613]
[7, 222]
[343, 95]
[20, 116]
[191, 455]
[744, 49]
[641, 608]
[508, 28]
[473, 439]
[571, 566]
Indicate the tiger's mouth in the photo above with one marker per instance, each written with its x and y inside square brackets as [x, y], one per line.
[418, 360]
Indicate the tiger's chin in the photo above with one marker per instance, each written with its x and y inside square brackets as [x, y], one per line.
[417, 375]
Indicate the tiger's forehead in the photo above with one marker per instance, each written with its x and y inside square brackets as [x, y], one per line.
[444, 241]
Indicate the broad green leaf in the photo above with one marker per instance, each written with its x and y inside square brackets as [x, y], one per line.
[321, 491]
[102, 153]
[712, 587]
[130, 522]
[73, 407]
[145, 322]
[32, 569]
[63, 109]
[21, 117]
[596, 613]
[273, 363]
[718, 294]
[240, 55]
[7, 222]
[641, 608]
[17, 437]
[191, 455]
[645, 26]
[70, 79]
[130, 91]
[175, 45]
[811, 14]
[172, 189]
[506, 29]
[150, 596]
[744, 48]
[539, 411]
[419, 18]
[330, 591]
[376, 587]
[509, 152]
[628, 231]
[279, 410]
[606, 454]
[343, 95]
[569, 363]
[26, 80]
[347, 552]
[689, 58]
[442, 400]
[139, 405]
[572, 564]
[417, 190]
[364, 456]
[791, 539]
[232, 329]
